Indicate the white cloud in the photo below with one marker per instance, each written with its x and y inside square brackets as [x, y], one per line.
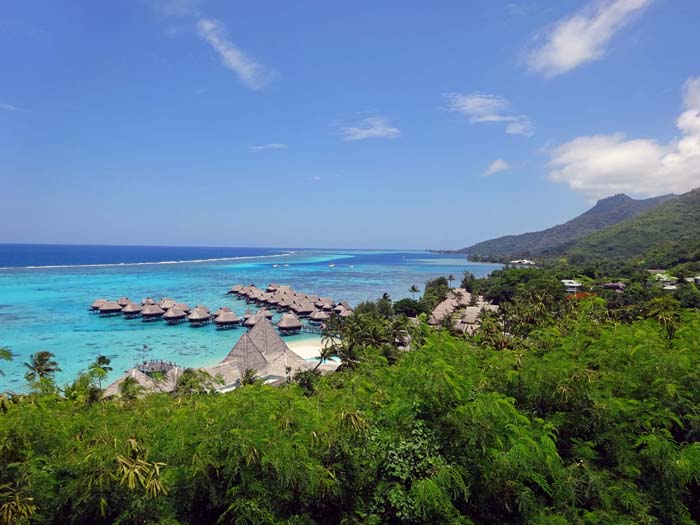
[582, 37]
[484, 107]
[370, 128]
[10, 107]
[267, 147]
[316, 178]
[249, 72]
[496, 166]
[601, 165]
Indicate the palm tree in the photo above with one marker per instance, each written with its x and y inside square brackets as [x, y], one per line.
[249, 377]
[414, 290]
[130, 389]
[5, 355]
[327, 351]
[100, 368]
[41, 366]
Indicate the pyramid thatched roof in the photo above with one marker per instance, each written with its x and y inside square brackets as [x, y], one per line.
[174, 313]
[97, 303]
[227, 318]
[132, 308]
[319, 315]
[110, 306]
[289, 322]
[199, 314]
[167, 384]
[152, 310]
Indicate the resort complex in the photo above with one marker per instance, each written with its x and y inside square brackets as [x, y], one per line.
[261, 352]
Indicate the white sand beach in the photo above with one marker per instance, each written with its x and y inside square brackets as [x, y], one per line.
[306, 348]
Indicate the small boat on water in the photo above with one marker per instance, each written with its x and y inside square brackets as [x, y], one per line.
[351, 266]
[285, 264]
[275, 265]
[331, 265]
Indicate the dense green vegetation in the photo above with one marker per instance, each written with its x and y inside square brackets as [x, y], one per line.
[665, 236]
[606, 212]
[560, 409]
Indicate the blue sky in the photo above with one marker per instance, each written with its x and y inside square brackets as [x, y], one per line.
[394, 124]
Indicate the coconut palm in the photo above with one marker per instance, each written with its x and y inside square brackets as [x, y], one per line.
[100, 368]
[413, 290]
[41, 365]
[130, 389]
[5, 355]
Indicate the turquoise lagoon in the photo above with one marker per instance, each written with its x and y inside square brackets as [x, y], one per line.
[46, 308]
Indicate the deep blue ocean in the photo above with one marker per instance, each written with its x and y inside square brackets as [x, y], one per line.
[45, 292]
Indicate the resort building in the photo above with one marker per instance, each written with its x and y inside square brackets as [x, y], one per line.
[571, 286]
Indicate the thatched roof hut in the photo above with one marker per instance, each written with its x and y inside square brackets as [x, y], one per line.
[152, 311]
[183, 307]
[97, 303]
[202, 307]
[226, 319]
[132, 309]
[272, 287]
[346, 313]
[199, 316]
[289, 323]
[148, 300]
[221, 310]
[235, 289]
[319, 316]
[110, 307]
[267, 313]
[174, 314]
[123, 301]
[166, 303]
[252, 320]
[247, 315]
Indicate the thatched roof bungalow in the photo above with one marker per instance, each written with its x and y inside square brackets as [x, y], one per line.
[199, 317]
[132, 310]
[175, 315]
[152, 312]
[227, 320]
[110, 308]
[289, 324]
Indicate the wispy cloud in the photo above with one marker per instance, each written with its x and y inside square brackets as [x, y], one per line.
[249, 72]
[484, 107]
[370, 128]
[583, 36]
[10, 107]
[267, 147]
[496, 166]
[601, 165]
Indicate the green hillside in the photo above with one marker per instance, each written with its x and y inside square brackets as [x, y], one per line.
[664, 236]
[606, 212]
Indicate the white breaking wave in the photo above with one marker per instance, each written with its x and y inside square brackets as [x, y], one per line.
[150, 263]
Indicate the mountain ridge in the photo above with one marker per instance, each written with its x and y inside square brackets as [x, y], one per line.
[606, 212]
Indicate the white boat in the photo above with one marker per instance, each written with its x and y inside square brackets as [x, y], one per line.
[331, 265]
[351, 266]
[275, 265]
[285, 264]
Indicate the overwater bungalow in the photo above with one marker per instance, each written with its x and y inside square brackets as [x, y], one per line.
[319, 316]
[265, 312]
[175, 315]
[346, 313]
[202, 307]
[183, 307]
[123, 301]
[110, 308]
[235, 289]
[147, 300]
[303, 309]
[272, 287]
[199, 317]
[289, 324]
[95, 306]
[166, 303]
[247, 315]
[252, 320]
[226, 320]
[221, 310]
[132, 310]
[151, 312]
